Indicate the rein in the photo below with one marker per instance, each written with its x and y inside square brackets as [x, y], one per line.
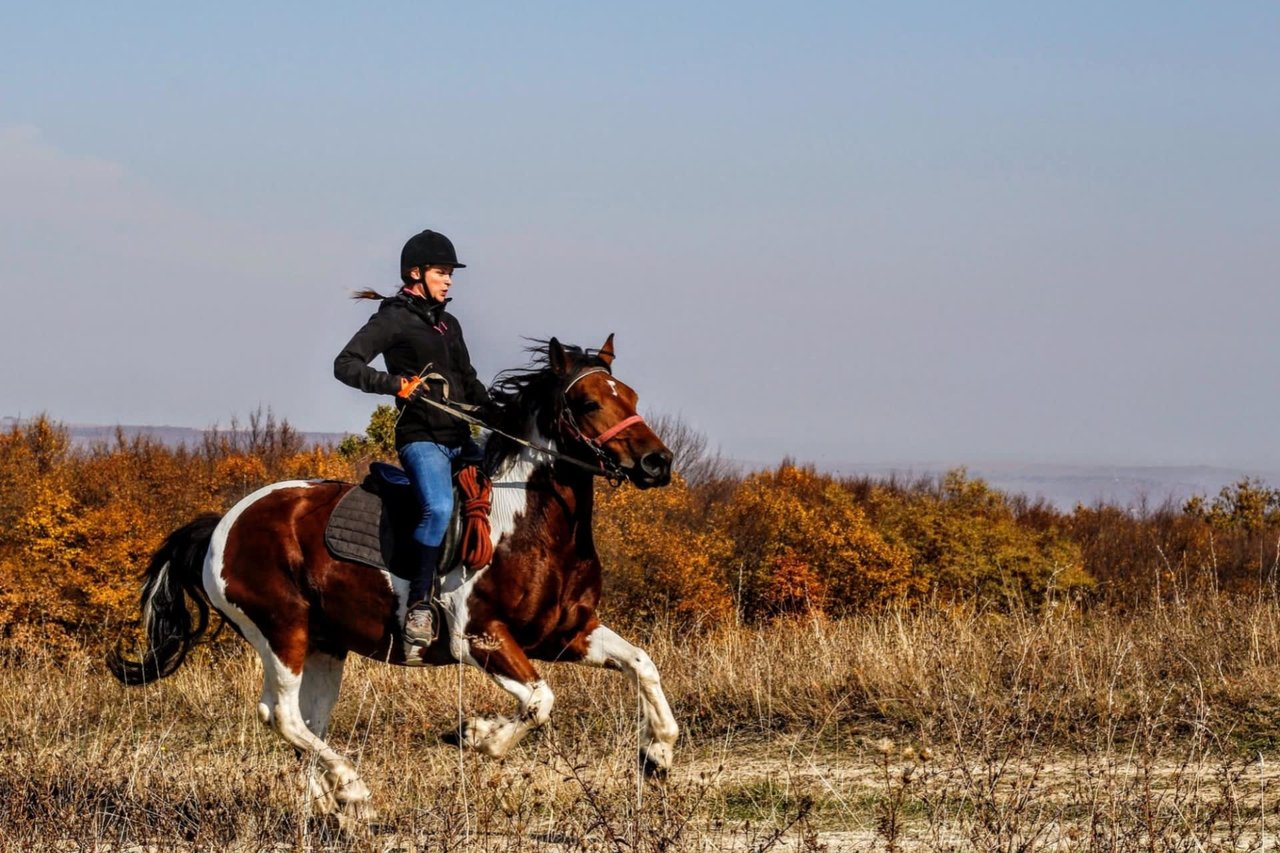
[605, 466]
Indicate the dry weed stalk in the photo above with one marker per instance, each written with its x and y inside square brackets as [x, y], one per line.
[1052, 726]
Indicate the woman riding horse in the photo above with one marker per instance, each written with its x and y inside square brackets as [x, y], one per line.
[425, 354]
[265, 568]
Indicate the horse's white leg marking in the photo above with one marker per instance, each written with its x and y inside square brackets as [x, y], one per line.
[281, 687]
[496, 735]
[657, 739]
[455, 592]
[340, 775]
[215, 586]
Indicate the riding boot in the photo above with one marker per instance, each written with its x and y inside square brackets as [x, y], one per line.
[419, 617]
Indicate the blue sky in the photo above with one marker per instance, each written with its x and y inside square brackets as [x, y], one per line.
[845, 232]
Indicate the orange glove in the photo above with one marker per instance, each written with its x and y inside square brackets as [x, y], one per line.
[411, 387]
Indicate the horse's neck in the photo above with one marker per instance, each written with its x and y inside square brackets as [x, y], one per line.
[526, 488]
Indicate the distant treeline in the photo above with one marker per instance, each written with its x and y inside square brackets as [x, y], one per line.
[77, 525]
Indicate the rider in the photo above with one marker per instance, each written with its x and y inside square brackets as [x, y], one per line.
[422, 346]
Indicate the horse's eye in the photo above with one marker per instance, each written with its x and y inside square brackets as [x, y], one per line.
[586, 407]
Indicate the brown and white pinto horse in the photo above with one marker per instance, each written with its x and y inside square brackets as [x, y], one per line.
[265, 568]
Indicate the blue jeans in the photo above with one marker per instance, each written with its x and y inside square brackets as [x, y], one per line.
[429, 466]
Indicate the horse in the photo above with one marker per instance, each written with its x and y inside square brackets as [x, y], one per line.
[264, 567]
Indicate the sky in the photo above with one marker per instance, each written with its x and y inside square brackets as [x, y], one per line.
[841, 232]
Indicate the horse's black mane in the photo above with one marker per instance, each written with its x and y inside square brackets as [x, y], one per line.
[532, 392]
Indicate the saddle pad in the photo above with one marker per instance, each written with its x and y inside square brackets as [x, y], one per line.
[358, 531]
[374, 529]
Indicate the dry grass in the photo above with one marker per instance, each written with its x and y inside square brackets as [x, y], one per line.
[934, 729]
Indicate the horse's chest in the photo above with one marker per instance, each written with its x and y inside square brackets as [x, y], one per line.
[536, 598]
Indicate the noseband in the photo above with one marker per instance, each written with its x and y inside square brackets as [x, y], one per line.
[569, 425]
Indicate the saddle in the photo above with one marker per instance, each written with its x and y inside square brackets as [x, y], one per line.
[374, 522]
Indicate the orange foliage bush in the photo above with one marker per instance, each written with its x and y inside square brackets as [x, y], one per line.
[78, 525]
[967, 539]
[82, 524]
[796, 532]
[658, 560]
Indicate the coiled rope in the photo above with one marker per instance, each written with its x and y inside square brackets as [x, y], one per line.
[477, 490]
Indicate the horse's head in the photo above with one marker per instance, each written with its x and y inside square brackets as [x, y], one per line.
[597, 413]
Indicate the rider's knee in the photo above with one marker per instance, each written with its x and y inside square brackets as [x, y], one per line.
[439, 505]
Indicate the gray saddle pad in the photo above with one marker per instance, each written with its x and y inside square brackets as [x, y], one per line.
[363, 529]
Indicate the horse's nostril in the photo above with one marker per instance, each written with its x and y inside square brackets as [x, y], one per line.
[656, 464]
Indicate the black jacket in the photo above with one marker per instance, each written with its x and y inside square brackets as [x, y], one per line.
[410, 332]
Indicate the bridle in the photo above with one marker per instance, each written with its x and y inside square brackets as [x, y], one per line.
[569, 426]
[604, 467]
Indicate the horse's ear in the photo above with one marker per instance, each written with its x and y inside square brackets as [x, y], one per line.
[557, 357]
[606, 351]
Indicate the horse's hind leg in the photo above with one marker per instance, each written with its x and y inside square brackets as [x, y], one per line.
[321, 680]
[495, 651]
[283, 688]
[602, 647]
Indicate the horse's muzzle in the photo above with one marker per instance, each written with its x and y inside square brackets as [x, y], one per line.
[655, 469]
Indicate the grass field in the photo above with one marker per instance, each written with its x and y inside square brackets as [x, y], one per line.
[933, 728]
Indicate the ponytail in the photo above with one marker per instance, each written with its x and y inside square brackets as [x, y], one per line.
[367, 294]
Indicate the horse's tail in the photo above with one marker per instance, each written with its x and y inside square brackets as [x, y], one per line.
[172, 577]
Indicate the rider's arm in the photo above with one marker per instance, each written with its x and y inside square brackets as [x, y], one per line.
[352, 364]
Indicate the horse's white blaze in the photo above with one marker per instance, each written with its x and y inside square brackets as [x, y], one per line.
[660, 730]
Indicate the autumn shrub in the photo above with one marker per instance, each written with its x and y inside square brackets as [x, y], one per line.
[1225, 543]
[1243, 536]
[659, 561]
[966, 539]
[78, 524]
[378, 441]
[801, 542]
[82, 522]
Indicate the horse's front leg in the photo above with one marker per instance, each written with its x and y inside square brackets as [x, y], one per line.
[495, 651]
[600, 646]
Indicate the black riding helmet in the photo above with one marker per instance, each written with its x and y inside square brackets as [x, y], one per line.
[427, 249]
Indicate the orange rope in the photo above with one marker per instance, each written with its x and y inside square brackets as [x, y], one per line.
[477, 546]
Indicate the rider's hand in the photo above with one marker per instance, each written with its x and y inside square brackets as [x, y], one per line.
[411, 387]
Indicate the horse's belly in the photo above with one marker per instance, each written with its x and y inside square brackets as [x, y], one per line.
[358, 609]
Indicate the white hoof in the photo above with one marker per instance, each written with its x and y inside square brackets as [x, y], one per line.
[351, 793]
[322, 799]
[656, 759]
[354, 820]
[488, 735]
